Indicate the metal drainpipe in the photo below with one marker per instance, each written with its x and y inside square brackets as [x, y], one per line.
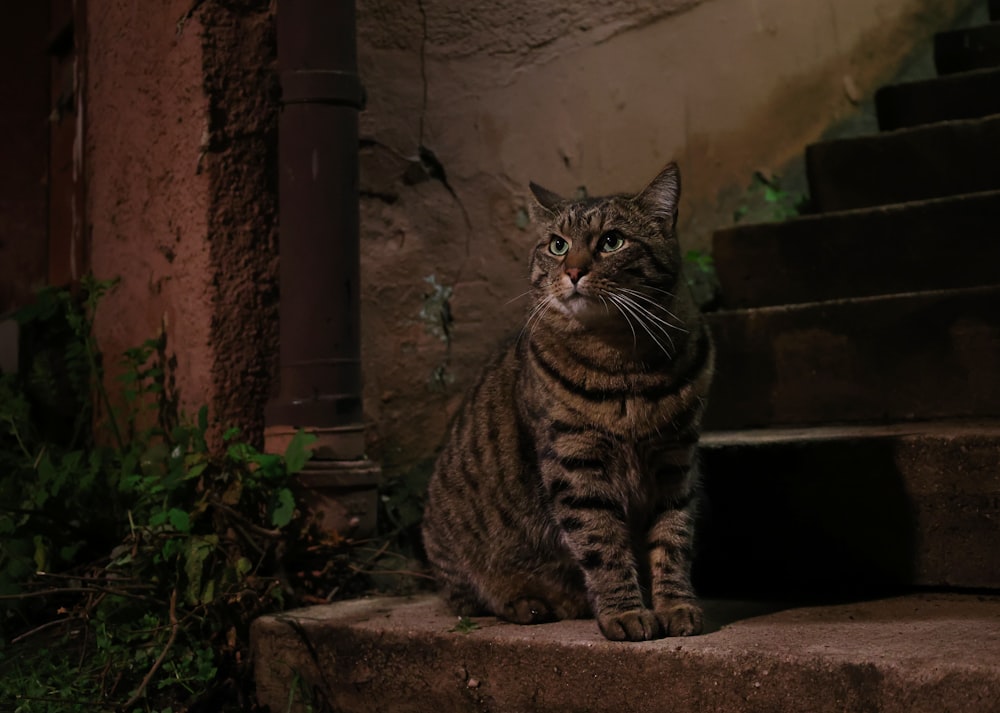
[320, 345]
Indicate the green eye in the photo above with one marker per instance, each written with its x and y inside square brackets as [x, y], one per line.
[611, 241]
[558, 246]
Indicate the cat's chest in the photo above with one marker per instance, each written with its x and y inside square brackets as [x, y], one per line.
[629, 406]
[624, 399]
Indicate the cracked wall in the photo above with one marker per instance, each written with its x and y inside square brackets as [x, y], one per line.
[468, 101]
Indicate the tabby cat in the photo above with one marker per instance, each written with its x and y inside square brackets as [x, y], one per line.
[566, 485]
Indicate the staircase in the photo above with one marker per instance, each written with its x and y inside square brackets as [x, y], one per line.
[850, 542]
[854, 444]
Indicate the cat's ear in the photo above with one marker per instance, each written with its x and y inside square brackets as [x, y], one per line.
[546, 200]
[661, 196]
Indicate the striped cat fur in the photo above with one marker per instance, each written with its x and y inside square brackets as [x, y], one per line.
[567, 483]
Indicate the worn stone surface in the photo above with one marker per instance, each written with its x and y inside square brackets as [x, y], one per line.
[943, 159]
[959, 96]
[926, 245]
[850, 509]
[899, 357]
[920, 654]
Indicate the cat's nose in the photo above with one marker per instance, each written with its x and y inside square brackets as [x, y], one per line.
[575, 274]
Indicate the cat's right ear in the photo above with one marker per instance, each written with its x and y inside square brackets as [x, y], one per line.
[546, 202]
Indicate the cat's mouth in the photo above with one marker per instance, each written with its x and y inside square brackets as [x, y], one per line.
[584, 307]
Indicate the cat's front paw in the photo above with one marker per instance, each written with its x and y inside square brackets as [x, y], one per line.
[634, 625]
[681, 618]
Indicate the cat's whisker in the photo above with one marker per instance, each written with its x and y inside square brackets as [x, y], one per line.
[671, 295]
[654, 303]
[656, 322]
[515, 299]
[648, 331]
[659, 321]
[535, 316]
[628, 307]
[635, 337]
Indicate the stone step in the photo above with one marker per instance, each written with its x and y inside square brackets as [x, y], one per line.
[892, 358]
[926, 245]
[849, 510]
[914, 654]
[967, 48]
[943, 159]
[968, 95]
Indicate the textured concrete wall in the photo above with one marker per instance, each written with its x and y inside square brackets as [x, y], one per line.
[569, 94]
[181, 114]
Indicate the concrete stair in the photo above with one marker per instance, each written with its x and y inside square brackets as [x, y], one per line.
[915, 654]
[967, 49]
[849, 539]
[854, 417]
[937, 244]
[930, 161]
[969, 95]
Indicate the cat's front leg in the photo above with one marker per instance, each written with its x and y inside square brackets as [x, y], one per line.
[590, 512]
[670, 548]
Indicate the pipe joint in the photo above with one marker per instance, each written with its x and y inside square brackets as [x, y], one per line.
[322, 86]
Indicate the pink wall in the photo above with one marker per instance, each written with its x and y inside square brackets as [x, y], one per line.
[180, 124]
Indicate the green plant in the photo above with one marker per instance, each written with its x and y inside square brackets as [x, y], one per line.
[133, 560]
[465, 625]
[766, 200]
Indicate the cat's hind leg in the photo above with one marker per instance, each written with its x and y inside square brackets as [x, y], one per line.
[543, 595]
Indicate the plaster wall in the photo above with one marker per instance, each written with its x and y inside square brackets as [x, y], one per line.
[576, 96]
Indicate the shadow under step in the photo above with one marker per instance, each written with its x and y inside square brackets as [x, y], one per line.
[849, 510]
[922, 355]
[917, 654]
[943, 159]
[938, 244]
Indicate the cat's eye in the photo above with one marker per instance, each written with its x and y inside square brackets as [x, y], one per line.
[611, 241]
[558, 246]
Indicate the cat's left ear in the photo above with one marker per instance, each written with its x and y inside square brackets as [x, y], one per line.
[661, 196]
[546, 200]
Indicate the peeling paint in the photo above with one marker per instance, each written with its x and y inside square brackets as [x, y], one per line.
[436, 310]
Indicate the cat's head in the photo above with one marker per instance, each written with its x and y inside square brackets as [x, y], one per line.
[608, 261]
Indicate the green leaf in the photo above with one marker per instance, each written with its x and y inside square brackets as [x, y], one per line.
[284, 508]
[243, 567]
[198, 551]
[298, 451]
[180, 520]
